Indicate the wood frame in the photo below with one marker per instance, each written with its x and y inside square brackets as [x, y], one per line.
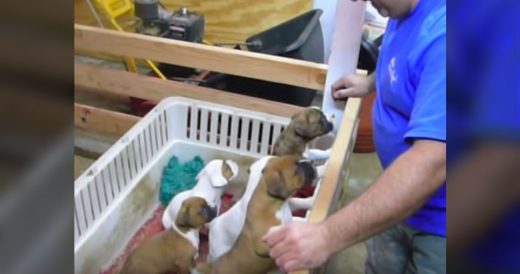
[247, 64]
[253, 65]
[103, 121]
[155, 89]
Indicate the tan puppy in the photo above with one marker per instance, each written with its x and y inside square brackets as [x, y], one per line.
[303, 128]
[281, 177]
[169, 250]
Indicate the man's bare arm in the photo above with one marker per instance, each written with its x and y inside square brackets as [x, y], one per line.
[400, 191]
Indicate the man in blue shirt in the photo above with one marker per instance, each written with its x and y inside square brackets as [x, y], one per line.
[406, 206]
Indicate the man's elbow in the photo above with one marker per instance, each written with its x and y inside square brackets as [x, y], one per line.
[433, 155]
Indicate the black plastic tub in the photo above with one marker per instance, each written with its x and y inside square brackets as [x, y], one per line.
[298, 38]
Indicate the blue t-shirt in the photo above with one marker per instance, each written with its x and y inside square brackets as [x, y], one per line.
[484, 105]
[411, 96]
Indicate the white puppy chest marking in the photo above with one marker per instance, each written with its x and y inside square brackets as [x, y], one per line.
[210, 186]
[225, 229]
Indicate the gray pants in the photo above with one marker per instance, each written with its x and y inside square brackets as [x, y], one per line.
[403, 249]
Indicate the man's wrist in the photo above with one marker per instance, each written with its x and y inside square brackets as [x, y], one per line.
[328, 238]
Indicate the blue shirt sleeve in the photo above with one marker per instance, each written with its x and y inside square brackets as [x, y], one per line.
[428, 118]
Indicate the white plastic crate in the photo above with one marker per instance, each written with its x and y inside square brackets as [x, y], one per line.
[117, 194]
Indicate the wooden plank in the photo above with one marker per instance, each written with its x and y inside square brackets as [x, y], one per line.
[226, 20]
[248, 64]
[338, 162]
[102, 121]
[337, 168]
[154, 89]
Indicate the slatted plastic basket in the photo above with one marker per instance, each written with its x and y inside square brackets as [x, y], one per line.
[116, 195]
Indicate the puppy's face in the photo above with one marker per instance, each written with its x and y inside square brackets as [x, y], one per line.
[311, 123]
[286, 174]
[194, 213]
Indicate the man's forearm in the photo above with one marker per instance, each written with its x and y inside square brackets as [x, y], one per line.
[402, 189]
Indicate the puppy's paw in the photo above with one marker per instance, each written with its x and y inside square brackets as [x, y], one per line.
[299, 220]
[320, 170]
[301, 203]
[317, 154]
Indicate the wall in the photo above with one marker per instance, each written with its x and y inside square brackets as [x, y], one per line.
[226, 20]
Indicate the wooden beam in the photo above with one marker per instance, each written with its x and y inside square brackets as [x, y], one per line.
[337, 168]
[338, 162]
[248, 64]
[155, 89]
[102, 121]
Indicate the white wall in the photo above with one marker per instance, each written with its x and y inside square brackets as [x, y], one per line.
[327, 22]
[345, 33]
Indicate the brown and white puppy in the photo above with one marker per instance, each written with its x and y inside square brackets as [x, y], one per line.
[211, 181]
[303, 128]
[171, 250]
[281, 177]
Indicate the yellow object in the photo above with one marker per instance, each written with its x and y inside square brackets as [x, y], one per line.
[114, 9]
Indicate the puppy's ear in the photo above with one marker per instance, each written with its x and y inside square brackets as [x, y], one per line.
[217, 176]
[301, 128]
[276, 186]
[183, 218]
[300, 123]
[229, 170]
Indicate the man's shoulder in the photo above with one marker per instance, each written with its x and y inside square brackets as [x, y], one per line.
[432, 34]
[434, 25]
[435, 22]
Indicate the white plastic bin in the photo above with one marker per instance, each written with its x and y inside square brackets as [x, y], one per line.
[117, 194]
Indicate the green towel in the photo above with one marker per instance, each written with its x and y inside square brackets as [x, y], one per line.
[178, 177]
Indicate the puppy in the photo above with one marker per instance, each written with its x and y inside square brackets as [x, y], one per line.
[224, 229]
[172, 249]
[303, 128]
[281, 177]
[211, 182]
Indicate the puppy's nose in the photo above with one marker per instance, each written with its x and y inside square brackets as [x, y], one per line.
[309, 172]
[209, 212]
[329, 127]
[327, 123]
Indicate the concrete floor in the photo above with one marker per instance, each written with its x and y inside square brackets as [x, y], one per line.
[364, 169]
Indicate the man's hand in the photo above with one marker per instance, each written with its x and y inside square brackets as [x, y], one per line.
[352, 85]
[298, 246]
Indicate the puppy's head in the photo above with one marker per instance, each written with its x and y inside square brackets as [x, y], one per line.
[219, 172]
[286, 174]
[311, 123]
[194, 213]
